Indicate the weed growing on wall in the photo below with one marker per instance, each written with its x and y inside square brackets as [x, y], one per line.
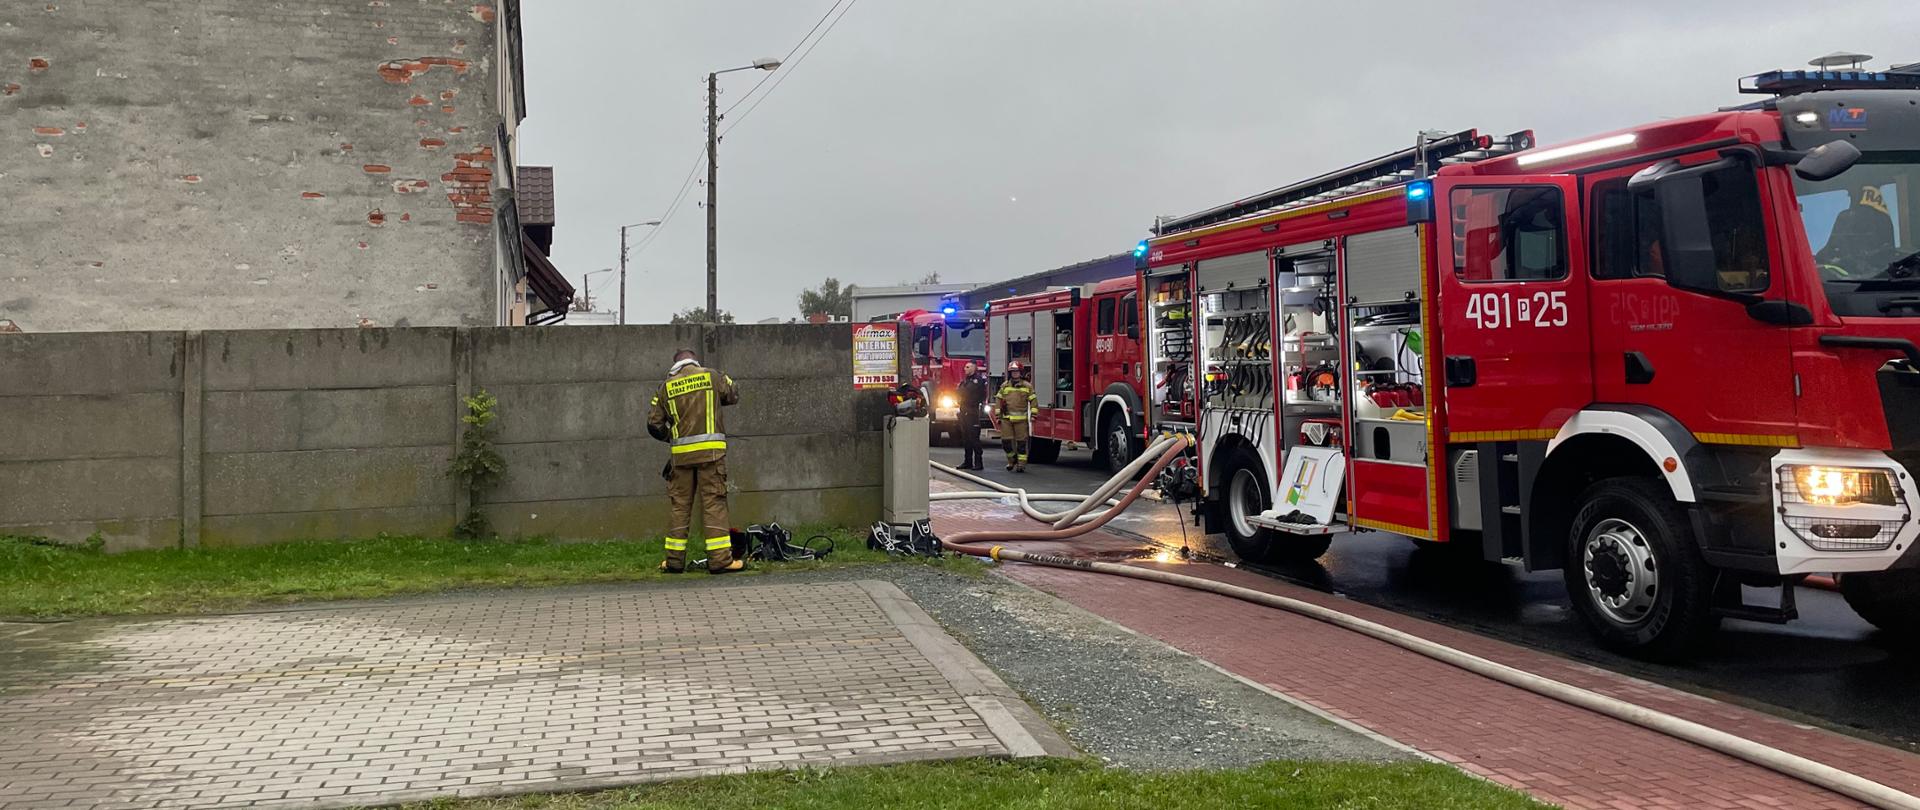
[477, 466]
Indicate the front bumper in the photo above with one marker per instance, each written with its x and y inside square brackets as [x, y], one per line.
[1796, 553]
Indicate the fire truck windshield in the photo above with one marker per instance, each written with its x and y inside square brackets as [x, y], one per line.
[967, 340]
[1865, 234]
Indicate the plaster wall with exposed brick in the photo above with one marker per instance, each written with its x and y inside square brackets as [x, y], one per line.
[238, 164]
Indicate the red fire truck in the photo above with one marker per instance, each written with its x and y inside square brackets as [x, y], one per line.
[943, 343]
[1081, 346]
[1670, 361]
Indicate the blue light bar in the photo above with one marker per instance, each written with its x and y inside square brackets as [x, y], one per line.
[1789, 82]
[1140, 249]
[1419, 190]
[949, 310]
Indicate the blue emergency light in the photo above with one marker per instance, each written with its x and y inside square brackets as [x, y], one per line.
[1419, 201]
[1789, 82]
[1140, 250]
[949, 309]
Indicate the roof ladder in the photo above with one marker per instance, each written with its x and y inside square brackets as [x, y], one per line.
[1398, 167]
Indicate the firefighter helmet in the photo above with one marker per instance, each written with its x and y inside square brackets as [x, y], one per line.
[1014, 369]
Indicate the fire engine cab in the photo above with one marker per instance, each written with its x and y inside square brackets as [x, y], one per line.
[1670, 361]
[943, 343]
[1082, 346]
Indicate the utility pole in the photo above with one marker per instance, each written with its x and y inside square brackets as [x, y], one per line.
[713, 195]
[713, 178]
[623, 264]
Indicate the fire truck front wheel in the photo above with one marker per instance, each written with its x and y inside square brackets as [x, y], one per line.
[1634, 573]
[1043, 451]
[1889, 600]
[1246, 496]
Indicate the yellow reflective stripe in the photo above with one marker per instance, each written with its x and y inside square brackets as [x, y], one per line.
[690, 384]
[715, 543]
[711, 409]
[1014, 417]
[676, 544]
[695, 448]
[673, 413]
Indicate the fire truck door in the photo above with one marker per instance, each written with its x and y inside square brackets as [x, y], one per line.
[1514, 344]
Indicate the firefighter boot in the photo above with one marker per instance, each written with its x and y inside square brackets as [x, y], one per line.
[676, 560]
[720, 560]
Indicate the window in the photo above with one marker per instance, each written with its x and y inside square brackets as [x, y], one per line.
[1105, 318]
[1131, 306]
[1509, 234]
[1627, 231]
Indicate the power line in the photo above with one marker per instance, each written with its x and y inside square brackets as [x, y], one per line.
[678, 197]
[784, 59]
[789, 68]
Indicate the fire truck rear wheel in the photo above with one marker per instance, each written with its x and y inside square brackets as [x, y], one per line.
[1634, 573]
[1246, 495]
[1889, 600]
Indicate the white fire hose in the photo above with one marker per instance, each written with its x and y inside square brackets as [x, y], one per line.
[1774, 759]
[1060, 520]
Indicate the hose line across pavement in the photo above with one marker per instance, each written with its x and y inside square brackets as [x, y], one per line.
[1774, 759]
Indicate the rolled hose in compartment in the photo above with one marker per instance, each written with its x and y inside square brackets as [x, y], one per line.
[1799, 767]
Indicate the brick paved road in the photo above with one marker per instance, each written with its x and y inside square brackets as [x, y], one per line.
[480, 694]
[1557, 752]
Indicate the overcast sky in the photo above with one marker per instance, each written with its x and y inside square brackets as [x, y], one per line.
[987, 139]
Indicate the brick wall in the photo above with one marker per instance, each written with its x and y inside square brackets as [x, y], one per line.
[203, 164]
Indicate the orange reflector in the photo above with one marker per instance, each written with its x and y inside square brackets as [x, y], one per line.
[1670, 464]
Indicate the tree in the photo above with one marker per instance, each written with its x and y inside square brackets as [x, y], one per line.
[701, 315]
[827, 299]
[930, 278]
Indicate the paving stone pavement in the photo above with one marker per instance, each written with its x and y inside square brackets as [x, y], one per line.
[495, 693]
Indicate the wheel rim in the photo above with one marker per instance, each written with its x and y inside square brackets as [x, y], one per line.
[1117, 441]
[1244, 502]
[1623, 577]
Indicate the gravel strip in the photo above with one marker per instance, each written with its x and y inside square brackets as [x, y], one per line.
[1129, 700]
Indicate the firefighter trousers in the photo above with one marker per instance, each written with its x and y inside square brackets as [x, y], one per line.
[1014, 431]
[703, 486]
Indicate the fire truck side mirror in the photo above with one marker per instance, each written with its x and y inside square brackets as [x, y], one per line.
[1685, 241]
[1827, 161]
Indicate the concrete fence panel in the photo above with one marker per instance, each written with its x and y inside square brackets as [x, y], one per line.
[160, 439]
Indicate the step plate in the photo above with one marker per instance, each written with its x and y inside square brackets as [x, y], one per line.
[1310, 530]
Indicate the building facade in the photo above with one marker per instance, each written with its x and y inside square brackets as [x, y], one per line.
[226, 164]
[870, 303]
[1072, 275]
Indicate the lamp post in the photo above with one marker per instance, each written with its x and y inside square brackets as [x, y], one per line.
[623, 265]
[713, 178]
[586, 283]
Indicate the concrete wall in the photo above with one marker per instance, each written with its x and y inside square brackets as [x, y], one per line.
[159, 439]
[233, 164]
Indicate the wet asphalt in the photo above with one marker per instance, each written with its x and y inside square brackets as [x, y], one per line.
[1829, 668]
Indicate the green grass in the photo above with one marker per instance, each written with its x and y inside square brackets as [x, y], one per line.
[41, 580]
[1065, 784]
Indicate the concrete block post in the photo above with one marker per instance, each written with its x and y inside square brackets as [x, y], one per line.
[193, 362]
[463, 504]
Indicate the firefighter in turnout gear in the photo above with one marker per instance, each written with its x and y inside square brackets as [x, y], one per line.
[1014, 404]
[686, 414]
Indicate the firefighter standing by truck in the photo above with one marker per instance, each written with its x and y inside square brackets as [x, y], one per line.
[1014, 404]
[973, 401]
[686, 414]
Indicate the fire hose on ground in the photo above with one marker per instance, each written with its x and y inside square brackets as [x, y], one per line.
[1774, 759]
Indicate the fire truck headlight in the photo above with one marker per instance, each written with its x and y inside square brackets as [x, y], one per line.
[948, 402]
[1838, 486]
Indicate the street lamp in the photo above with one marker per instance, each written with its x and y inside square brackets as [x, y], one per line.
[623, 265]
[586, 282]
[713, 178]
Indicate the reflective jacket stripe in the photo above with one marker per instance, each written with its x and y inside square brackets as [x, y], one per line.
[695, 448]
[700, 437]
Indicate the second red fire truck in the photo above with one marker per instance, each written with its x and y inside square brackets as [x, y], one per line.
[1670, 361]
[1081, 346]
